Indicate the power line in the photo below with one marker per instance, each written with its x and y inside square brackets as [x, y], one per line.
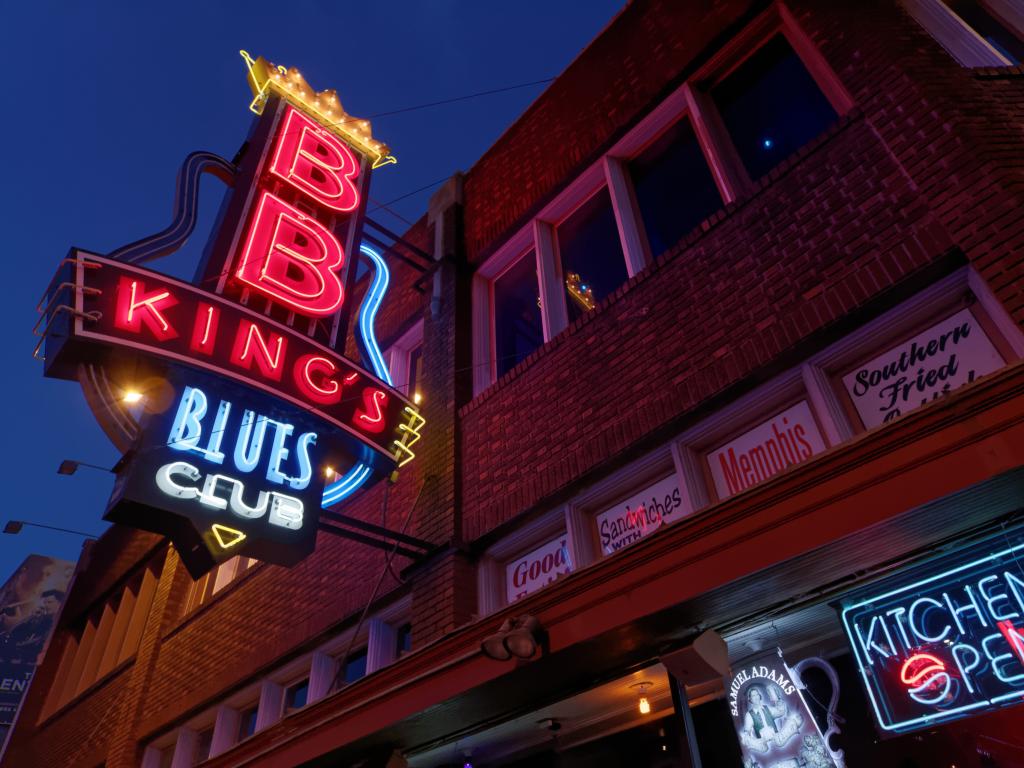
[467, 97]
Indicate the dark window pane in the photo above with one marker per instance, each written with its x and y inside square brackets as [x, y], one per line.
[167, 756]
[588, 245]
[990, 28]
[203, 742]
[415, 369]
[295, 696]
[247, 722]
[403, 640]
[517, 325]
[771, 106]
[355, 666]
[674, 187]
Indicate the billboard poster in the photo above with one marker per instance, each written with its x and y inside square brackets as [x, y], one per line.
[774, 726]
[29, 604]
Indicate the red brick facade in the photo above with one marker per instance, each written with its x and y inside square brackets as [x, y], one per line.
[925, 174]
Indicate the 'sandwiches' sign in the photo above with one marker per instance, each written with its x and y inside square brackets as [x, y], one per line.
[537, 569]
[639, 515]
[783, 440]
[946, 356]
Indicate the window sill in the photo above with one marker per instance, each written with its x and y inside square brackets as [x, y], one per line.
[783, 169]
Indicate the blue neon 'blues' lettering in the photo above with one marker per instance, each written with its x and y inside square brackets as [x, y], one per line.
[278, 452]
[305, 465]
[187, 429]
[249, 446]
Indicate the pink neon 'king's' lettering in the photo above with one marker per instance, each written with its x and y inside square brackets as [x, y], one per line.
[204, 332]
[316, 163]
[371, 417]
[136, 308]
[251, 348]
[313, 375]
[292, 258]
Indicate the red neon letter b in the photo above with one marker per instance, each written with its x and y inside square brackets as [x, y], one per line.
[292, 258]
[316, 163]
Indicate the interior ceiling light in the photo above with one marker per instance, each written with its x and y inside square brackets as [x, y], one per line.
[643, 703]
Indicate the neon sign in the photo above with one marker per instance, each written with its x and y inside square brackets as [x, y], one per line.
[267, 401]
[944, 640]
[241, 470]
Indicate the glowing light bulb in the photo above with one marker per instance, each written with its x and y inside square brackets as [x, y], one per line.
[417, 398]
[644, 706]
[328, 472]
[131, 396]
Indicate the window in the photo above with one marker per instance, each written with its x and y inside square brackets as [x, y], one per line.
[296, 695]
[415, 371]
[204, 740]
[983, 19]
[166, 757]
[247, 721]
[355, 666]
[517, 321]
[405, 361]
[205, 587]
[674, 187]
[589, 246]
[403, 640]
[771, 106]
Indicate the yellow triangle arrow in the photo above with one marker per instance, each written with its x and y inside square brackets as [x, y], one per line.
[226, 537]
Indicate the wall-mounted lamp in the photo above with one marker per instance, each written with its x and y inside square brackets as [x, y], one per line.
[643, 703]
[519, 637]
[70, 466]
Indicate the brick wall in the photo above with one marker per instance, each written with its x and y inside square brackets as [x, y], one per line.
[929, 160]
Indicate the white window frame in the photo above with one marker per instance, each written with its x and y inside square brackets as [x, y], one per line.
[924, 308]
[959, 39]
[491, 570]
[692, 446]
[611, 171]
[398, 354]
[653, 467]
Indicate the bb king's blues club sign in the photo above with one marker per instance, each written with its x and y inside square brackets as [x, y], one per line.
[248, 417]
[944, 640]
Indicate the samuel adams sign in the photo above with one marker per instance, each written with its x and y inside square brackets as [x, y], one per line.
[238, 413]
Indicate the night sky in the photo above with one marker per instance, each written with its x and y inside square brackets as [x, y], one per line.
[103, 102]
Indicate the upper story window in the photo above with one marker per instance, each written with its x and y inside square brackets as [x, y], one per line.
[247, 721]
[589, 246]
[209, 584]
[403, 640]
[977, 33]
[756, 101]
[984, 18]
[204, 740]
[675, 190]
[296, 695]
[405, 361]
[355, 666]
[517, 321]
[771, 106]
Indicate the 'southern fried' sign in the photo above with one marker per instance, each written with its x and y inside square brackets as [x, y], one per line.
[946, 356]
[787, 438]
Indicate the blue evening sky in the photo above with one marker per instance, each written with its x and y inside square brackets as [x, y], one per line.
[104, 100]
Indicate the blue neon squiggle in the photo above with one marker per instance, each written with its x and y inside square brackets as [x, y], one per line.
[353, 480]
[368, 313]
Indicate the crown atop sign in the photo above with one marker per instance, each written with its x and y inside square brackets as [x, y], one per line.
[325, 106]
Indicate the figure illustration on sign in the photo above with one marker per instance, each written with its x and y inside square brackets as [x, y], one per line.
[768, 723]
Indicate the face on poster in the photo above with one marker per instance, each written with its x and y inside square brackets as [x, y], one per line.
[774, 725]
[29, 604]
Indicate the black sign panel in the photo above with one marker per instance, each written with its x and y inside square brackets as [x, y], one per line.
[227, 471]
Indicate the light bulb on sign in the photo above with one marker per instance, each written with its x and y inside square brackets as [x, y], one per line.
[417, 398]
[131, 396]
[645, 706]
